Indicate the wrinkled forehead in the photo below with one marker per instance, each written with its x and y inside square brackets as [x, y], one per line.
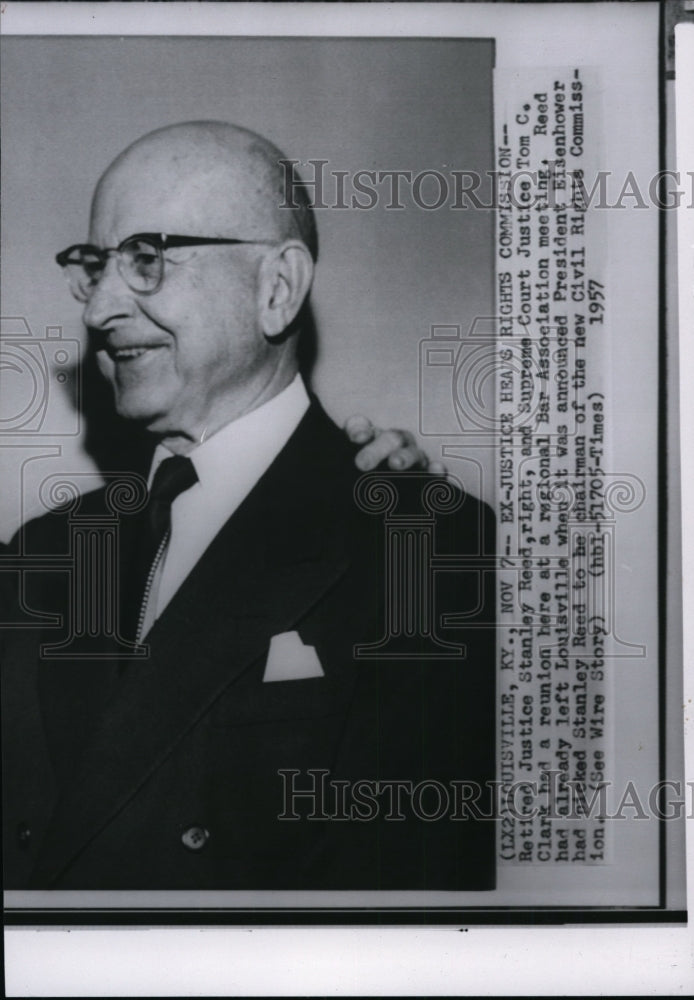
[182, 192]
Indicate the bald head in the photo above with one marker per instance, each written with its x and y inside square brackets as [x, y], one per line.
[218, 335]
[222, 176]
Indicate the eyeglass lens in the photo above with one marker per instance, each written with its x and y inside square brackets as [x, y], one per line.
[139, 263]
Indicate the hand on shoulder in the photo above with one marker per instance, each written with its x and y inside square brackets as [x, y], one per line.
[395, 448]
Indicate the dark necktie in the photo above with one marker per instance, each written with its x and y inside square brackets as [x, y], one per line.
[174, 476]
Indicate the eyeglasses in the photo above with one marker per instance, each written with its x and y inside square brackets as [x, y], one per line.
[139, 258]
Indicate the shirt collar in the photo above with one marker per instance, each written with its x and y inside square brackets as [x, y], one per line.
[244, 448]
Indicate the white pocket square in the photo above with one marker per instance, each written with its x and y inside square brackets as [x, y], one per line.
[290, 660]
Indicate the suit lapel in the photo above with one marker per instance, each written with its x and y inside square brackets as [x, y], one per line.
[271, 562]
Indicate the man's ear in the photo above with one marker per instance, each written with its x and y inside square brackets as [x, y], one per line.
[285, 279]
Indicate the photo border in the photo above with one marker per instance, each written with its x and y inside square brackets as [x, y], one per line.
[535, 915]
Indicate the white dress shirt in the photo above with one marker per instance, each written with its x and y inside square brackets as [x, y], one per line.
[228, 465]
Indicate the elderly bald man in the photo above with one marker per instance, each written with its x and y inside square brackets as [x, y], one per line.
[252, 714]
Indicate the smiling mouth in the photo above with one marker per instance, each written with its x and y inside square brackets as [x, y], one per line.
[130, 353]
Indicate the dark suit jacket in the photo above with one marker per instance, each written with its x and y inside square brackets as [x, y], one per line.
[110, 778]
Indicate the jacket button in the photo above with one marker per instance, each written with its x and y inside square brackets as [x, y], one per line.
[23, 835]
[195, 838]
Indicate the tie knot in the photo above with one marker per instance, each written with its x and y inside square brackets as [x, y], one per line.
[175, 475]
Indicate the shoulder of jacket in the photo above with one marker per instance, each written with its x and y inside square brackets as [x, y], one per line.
[53, 523]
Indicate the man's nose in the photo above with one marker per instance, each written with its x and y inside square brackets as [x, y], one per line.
[111, 299]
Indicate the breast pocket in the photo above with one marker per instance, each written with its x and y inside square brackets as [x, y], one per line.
[253, 701]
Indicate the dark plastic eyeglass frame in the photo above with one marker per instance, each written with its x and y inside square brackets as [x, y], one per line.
[160, 242]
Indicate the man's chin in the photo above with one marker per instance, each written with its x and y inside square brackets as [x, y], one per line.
[140, 412]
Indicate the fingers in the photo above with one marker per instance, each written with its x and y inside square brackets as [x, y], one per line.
[395, 448]
[408, 457]
[437, 469]
[359, 429]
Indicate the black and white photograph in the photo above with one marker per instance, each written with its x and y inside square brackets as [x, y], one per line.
[342, 545]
